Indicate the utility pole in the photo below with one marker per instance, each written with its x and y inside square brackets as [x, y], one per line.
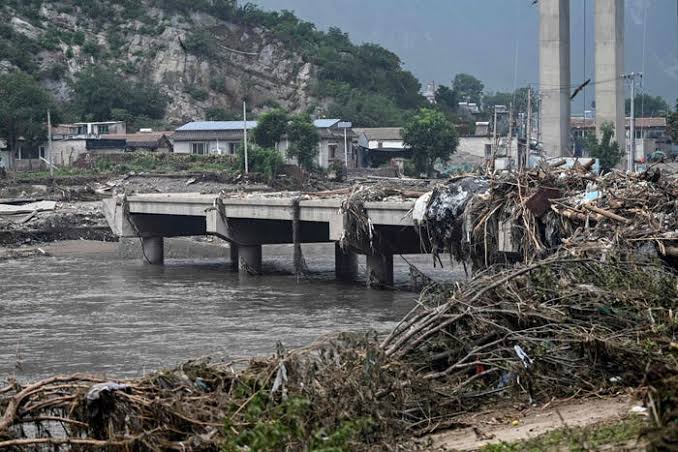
[528, 133]
[49, 143]
[494, 136]
[633, 76]
[244, 128]
[510, 137]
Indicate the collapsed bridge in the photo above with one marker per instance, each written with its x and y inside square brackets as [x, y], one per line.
[248, 223]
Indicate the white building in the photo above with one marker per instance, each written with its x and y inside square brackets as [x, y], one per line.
[224, 137]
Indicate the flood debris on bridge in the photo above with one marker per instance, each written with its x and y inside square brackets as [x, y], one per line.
[528, 216]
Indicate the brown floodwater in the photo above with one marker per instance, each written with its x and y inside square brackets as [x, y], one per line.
[123, 318]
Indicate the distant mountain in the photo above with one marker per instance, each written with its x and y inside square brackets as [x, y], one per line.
[204, 57]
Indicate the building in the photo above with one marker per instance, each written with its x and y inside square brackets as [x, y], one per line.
[88, 129]
[146, 140]
[70, 141]
[651, 134]
[224, 137]
[380, 145]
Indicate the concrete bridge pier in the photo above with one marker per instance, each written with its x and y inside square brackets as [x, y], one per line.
[249, 261]
[346, 263]
[235, 256]
[380, 270]
[153, 250]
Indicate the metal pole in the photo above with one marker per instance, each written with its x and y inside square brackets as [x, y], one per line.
[49, 143]
[632, 150]
[345, 149]
[494, 135]
[244, 126]
[510, 137]
[528, 135]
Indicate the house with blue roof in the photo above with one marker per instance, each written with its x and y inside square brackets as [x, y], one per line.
[224, 137]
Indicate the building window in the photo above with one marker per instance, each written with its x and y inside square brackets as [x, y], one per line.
[43, 152]
[103, 130]
[199, 148]
[380, 145]
[332, 151]
[232, 148]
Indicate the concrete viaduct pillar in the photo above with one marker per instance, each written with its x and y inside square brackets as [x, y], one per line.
[554, 76]
[345, 262]
[153, 250]
[609, 20]
[249, 261]
[379, 270]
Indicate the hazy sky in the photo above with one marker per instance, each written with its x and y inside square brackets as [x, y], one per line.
[438, 38]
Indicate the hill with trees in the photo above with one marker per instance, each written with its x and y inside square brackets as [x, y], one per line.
[162, 62]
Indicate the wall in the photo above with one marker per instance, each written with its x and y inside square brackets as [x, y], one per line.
[65, 152]
[184, 147]
[374, 144]
[28, 165]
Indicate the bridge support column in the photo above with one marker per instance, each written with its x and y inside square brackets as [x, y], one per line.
[235, 255]
[153, 248]
[249, 261]
[346, 263]
[379, 270]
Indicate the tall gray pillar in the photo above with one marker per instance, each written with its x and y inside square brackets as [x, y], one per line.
[153, 250]
[235, 255]
[379, 271]
[609, 20]
[554, 76]
[345, 262]
[249, 259]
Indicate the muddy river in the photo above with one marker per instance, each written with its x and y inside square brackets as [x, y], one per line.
[122, 318]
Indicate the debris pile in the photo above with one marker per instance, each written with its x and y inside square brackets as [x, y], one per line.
[561, 327]
[528, 216]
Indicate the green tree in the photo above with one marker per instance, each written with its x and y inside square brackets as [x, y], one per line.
[672, 124]
[304, 140]
[271, 126]
[468, 88]
[647, 106]
[98, 91]
[23, 110]
[447, 99]
[431, 137]
[608, 151]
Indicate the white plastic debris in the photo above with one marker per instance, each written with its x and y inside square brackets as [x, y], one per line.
[419, 210]
[95, 391]
[280, 378]
[639, 410]
[526, 360]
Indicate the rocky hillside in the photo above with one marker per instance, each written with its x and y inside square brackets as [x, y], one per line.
[204, 57]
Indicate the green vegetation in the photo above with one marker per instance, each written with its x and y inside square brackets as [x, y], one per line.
[672, 124]
[304, 140]
[288, 425]
[260, 160]
[100, 94]
[23, 110]
[468, 88]
[579, 439]
[647, 106]
[271, 127]
[432, 137]
[608, 151]
[160, 162]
